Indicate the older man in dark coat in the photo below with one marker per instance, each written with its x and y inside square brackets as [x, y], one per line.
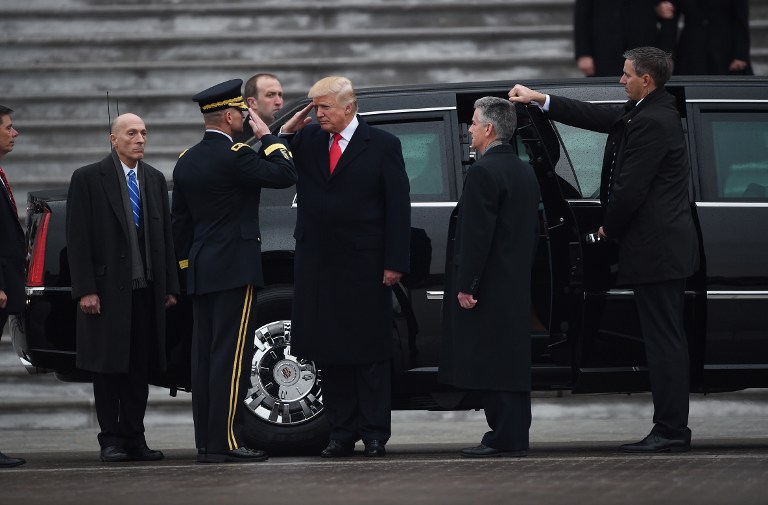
[123, 267]
[352, 244]
[644, 194]
[486, 313]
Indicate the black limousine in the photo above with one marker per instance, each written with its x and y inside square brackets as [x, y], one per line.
[584, 327]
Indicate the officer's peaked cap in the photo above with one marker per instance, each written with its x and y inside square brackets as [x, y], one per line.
[222, 96]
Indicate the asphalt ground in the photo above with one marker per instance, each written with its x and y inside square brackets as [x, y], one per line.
[574, 458]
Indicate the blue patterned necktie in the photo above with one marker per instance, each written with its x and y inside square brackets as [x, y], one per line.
[133, 192]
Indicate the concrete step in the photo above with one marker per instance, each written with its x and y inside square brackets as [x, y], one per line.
[92, 76]
[396, 42]
[172, 17]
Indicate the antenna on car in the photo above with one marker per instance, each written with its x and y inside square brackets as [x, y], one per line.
[109, 115]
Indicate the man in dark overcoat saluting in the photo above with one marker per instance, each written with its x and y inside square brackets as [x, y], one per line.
[487, 308]
[123, 267]
[352, 244]
[646, 208]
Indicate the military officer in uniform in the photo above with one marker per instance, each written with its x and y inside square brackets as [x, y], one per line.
[217, 186]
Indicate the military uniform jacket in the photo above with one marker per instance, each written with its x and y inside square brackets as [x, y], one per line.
[215, 207]
[12, 254]
[492, 241]
[350, 227]
[99, 255]
[646, 168]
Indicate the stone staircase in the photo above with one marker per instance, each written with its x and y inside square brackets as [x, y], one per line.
[59, 58]
[43, 402]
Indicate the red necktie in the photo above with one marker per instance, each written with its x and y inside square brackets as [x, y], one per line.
[8, 188]
[335, 153]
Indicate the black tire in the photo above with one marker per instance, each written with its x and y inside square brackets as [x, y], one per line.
[273, 306]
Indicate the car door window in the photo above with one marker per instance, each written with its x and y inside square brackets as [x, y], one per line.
[584, 149]
[424, 153]
[734, 156]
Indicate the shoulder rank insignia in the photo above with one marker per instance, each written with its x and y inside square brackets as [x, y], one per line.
[239, 145]
[283, 150]
[183, 152]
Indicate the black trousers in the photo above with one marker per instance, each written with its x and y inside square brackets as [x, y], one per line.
[660, 307]
[222, 352]
[509, 416]
[121, 398]
[358, 401]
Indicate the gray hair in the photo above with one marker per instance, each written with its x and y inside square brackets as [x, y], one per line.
[652, 61]
[498, 112]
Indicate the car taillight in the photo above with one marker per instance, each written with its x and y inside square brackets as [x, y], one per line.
[37, 262]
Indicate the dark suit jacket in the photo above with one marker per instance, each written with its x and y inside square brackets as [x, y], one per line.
[715, 32]
[648, 210]
[12, 254]
[216, 193]
[99, 255]
[604, 29]
[494, 231]
[350, 227]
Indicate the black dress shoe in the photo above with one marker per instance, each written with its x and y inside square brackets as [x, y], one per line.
[338, 449]
[7, 462]
[239, 455]
[374, 448]
[483, 451]
[656, 443]
[114, 454]
[143, 453]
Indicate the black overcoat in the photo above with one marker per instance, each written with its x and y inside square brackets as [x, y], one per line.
[99, 255]
[492, 241]
[350, 227]
[647, 210]
[216, 194]
[604, 29]
[12, 254]
[715, 32]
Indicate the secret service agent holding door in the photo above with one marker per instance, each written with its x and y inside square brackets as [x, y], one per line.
[217, 187]
[644, 195]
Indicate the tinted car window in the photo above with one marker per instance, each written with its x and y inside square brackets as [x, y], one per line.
[424, 153]
[734, 156]
[584, 149]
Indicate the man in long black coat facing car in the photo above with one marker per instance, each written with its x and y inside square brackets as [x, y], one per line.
[487, 309]
[644, 195]
[352, 244]
[123, 268]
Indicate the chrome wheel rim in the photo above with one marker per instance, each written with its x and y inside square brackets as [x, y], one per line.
[285, 390]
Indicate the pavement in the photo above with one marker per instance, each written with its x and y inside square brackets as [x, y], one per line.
[573, 458]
